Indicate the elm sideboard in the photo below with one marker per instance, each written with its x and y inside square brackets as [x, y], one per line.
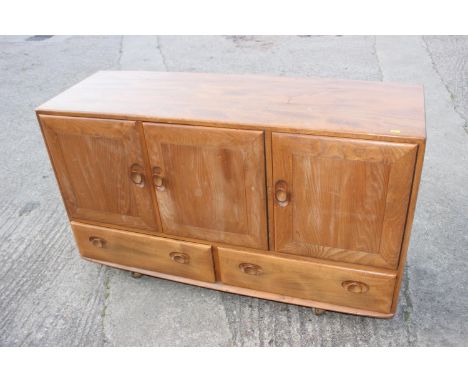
[299, 190]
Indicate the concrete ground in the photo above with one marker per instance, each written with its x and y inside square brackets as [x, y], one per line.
[48, 296]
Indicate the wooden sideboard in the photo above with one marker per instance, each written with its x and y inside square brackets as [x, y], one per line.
[299, 190]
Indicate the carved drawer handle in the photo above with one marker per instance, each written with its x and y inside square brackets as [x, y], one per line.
[179, 257]
[97, 241]
[136, 175]
[281, 193]
[355, 286]
[158, 180]
[251, 269]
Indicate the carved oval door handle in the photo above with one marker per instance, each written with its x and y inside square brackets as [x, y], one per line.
[281, 196]
[251, 269]
[281, 193]
[97, 241]
[355, 286]
[179, 257]
[158, 180]
[137, 175]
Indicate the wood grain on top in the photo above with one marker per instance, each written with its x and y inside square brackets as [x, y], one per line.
[309, 105]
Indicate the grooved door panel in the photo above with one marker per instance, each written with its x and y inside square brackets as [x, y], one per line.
[347, 198]
[212, 182]
[93, 159]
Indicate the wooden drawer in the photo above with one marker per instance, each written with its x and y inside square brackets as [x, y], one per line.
[136, 250]
[308, 279]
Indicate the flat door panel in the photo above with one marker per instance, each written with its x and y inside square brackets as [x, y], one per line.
[210, 183]
[100, 167]
[345, 199]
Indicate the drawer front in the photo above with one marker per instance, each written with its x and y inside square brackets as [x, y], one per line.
[308, 279]
[136, 250]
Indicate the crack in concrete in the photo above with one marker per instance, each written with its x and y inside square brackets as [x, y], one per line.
[106, 286]
[119, 60]
[452, 96]
[408, 309]
[233, 324]
[163, 57]
[375, 53]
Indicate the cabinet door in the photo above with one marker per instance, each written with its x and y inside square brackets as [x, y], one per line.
[210, 182]
[100, 167]
[341, 199]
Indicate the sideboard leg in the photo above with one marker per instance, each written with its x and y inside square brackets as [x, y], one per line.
[318, 312]
[136, 275]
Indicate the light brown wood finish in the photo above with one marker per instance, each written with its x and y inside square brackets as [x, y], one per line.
[309, 105]
[269, 188]
[101, 170]
[307, 279]
[409, 222]
[341, 199]
[210, 183]
[145, 252]
[250, 292]
[348, 201]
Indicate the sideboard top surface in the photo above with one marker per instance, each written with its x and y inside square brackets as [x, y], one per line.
[294, 104]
